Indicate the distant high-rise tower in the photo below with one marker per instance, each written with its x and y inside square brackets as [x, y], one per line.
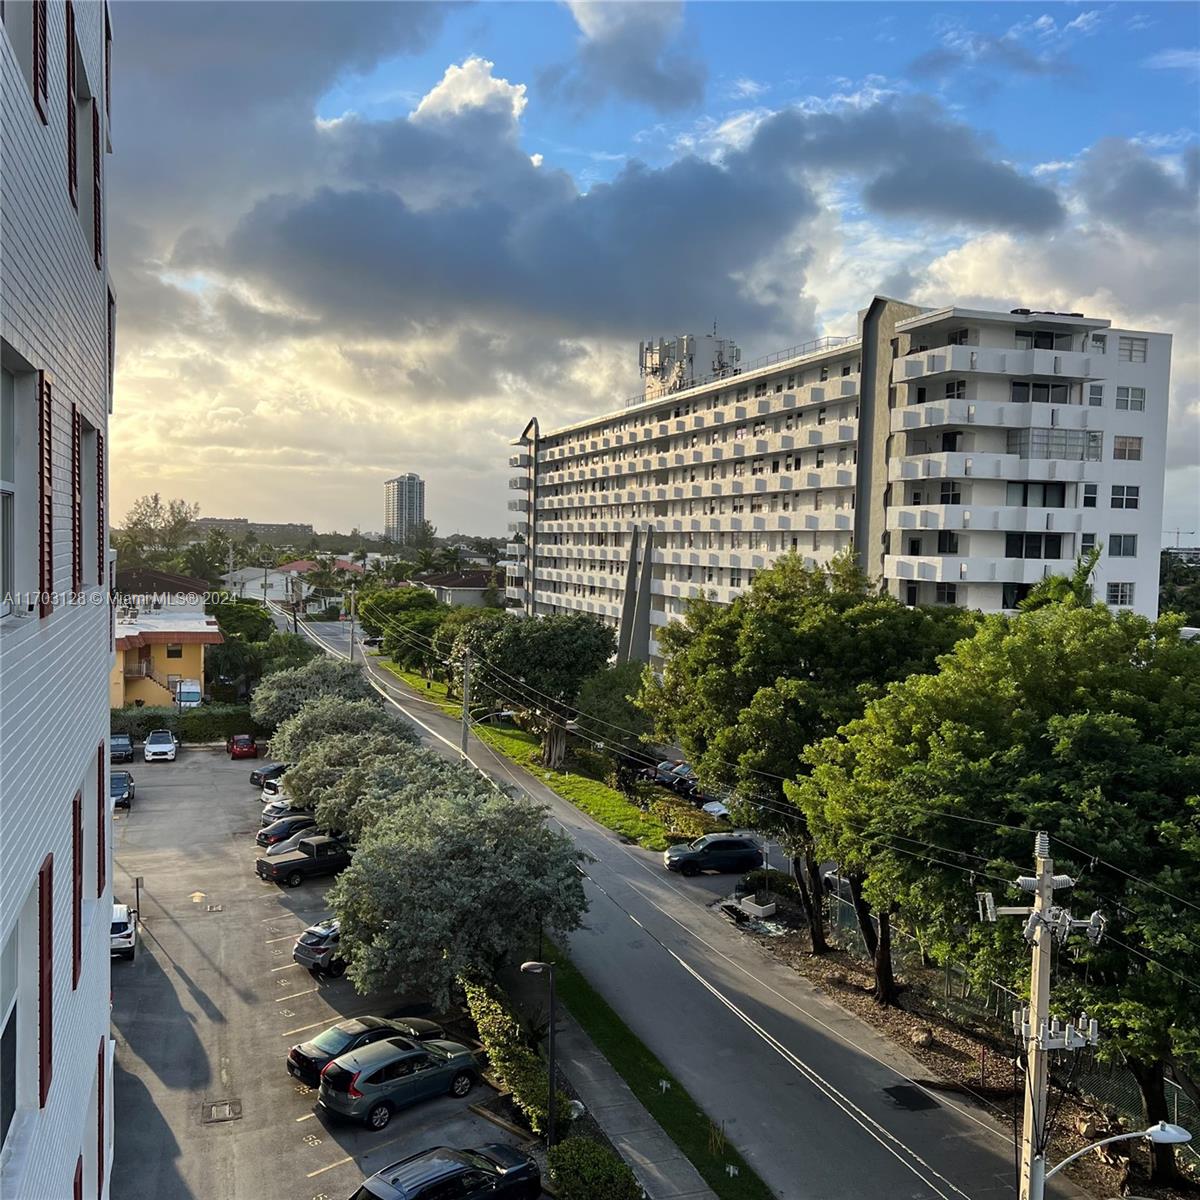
[403, 506]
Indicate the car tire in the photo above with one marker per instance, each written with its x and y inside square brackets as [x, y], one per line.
[128, 957]
[689, 869]
[379, 1116]
[461, 1084]
[295, 879]
[336, 969]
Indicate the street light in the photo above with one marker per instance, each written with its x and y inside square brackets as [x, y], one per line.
[539, 968]
[1162, 1134]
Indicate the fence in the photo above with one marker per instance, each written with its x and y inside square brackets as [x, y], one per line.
[949, 989]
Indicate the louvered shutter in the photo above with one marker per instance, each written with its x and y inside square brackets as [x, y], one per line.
[100, 538]
[45, 495]
[76, 889]
[96, 221]
[40, 73]
[101, 820]
[76, 502]
[100, 1090]
[72, 153]
[45, 978]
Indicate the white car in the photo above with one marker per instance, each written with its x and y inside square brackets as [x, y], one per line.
[123, 935]
[160, 744]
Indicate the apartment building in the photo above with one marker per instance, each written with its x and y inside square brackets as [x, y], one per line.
[403, 506]
[56, 632]
[962, 455]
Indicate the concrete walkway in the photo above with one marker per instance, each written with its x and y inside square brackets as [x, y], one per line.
[661, 1167]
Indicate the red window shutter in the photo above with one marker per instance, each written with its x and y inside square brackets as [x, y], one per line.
[76, 889]
[107, 62]
[101, 819]
[45, 494]
[96, 199]
[78, 1193]
[72, 156]
[100, 1089]
[45, 978]
[76, 501]
[40, 74]
[112, 344]
[100, 539]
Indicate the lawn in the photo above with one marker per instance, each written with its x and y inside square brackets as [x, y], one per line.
[682, 1119]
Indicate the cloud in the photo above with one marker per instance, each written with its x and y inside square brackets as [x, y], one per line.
[1123, 185]
[626, 52]
[1173, 60]
[471, 86]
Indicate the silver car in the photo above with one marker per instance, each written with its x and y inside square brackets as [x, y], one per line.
[317, 948]
[160, 746]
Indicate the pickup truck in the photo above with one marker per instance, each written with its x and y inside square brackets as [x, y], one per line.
[317, 855]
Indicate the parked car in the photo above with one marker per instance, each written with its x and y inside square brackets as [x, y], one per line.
[283, 806]
[683, 779]
[495, 1171]
[284, 828]
[713, 852]
[241, 745]
[661, 773]
[123, 934]
[317, 948]
[120, 747]
[313, 856]
[272, 788]
[372, 641]
[289, 844]
[268, 772]
[307, 1060]
[120, 788]
[369, 1084]
[160, 745]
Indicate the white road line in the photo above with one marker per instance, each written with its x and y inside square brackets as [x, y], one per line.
[287, 937]
[285, 967]
[293, 996]
[306, 1117]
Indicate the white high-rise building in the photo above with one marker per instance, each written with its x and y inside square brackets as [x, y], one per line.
[403, 506]
[56, 342]
[962, 454]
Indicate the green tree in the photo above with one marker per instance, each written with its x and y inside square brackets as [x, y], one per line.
[424, 561]
[155, 531]
[282, 694]
[1179, 587]
[746, 687]
[235, 663]
[607, 711]
[450, 558]
[1075, 588]
[287, 651]
[326, 716]
[1074, 720]
[447, 638]
[243, 618]
[407, 619]
[473, 875]
[422, 536]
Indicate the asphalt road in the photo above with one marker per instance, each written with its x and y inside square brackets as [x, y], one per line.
[208, 1008]
[821, 1104]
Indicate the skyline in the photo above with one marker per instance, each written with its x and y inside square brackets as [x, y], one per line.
[390, 234]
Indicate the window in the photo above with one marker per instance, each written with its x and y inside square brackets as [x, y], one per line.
[735, 577]
[824, 373]
[175, 651]
[947, 541]
[1076, 445]
[1095, 394]
[950, 493]
[911, 592]
[956, 389]
[1120, 594]
[1125, 496]
[76, 502]
[946, 593]
[1033, 545]
[45, 978]
[914, 546]
[820, 416]
[845, 370]
[76, 888]
[1122, 545]
[8, 1039]
[1089, 495]
[1087, 543]
[1040, 393]
[97, 231]
[40, 56]
[819, 457]
[957, 337]
[1127, 448]
[1131, 399]
[8, 487]
[1099, 343]
[1037, 495]
[100, 1081]
[1131, 349]
[1041, 339]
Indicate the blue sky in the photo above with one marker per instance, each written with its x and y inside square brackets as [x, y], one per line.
[359, 239]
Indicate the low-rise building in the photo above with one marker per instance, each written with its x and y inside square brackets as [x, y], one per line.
[155, 650]
[468, 589]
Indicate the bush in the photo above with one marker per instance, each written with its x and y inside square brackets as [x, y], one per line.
[778, 882]
[208, 723]
[520, 1068]
[684, 820]
[282, 694]
[585, 1170]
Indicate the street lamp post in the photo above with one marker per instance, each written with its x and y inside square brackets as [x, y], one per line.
[540, 968]
[1162, 1134]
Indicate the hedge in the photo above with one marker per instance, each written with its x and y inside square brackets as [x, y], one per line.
[585, 1170]
[207, 723]
[512, 1060]
[683, 819]
[779, 882]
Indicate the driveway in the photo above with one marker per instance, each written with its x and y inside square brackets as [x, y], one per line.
[204, 1015]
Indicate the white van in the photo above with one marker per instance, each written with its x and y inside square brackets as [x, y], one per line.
[188, 693]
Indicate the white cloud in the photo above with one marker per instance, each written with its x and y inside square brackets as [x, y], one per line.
[1053, 168]
[536, 159]
[747, 89]
[1173, 60]
[471, 85]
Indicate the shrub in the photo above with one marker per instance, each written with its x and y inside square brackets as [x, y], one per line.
[329, 715]
[208, 723]
[282, 694]
[778, 882]
[585, 1170]
[683, 819]
[520, 1068]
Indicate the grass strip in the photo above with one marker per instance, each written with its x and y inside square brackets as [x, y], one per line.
[681, 1118]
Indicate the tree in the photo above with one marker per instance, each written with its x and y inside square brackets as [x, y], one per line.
[401, 570]
[318, 719]
[746, 687]
[450, 558]
[1078, 721]
[1075, 588]
[539, 666]
[426, 560]
[243, 618]
[422, 536]
[235, 662]
[453, 886]
[287, 651]
[406, 618]
[155, 531]
[607, 712]
[447, 645]
[280, 695]
[1179, 587]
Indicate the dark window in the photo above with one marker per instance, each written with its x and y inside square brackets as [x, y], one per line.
[950, 493]
[1089, 495]
[45, 487]
[76, 888]
[910, 594]
[947, 541]
[950, 442]
[100, 1089]
[45, 978]
[175, 651]
[946, 593]
[8, 1072]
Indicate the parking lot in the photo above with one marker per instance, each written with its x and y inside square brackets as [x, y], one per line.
[205, 1014]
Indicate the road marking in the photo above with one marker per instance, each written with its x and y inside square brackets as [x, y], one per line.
[285, 967]
[326, 1021]
[197, 897]
[306, 1117]
[341, 1162]
[286, 937]
[306, 992]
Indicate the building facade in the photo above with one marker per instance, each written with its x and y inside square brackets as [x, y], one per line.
[238, 527]
[403, 506]
[56, 633]
[962, 455]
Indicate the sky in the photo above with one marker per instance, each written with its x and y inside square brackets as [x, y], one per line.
[354, 240]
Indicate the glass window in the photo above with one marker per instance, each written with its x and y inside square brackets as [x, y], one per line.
[1087, 542]
[950, 493]
[1095, 394]
[957, 337]
[1127, 448]
[1089, 495]
[947, 541]
[956, 389]
[946, 593]
[1122, 545]
[1099, 343]
[1125, 496]
[1120, 593]
[1131, 399]
[1132, 349]
[1020, 391]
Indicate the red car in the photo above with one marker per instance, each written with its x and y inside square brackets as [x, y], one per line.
[241, 745]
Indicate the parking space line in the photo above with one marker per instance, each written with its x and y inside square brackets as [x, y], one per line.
[287, 937]
[326, 1021]
[286, 967]
[341, 1162]
[306, 1117]
[306, 992]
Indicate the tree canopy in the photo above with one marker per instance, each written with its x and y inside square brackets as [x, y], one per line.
[329, 715]
[281, 694]
[154, 531]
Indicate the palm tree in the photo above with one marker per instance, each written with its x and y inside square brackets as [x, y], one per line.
[450, 558]
[425, 561]
[1074, 590]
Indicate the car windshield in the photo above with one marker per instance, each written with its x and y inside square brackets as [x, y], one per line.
[699, 843]
[121, 739]
[333, 1041]
[120, 927]
[118, 783]
[159, 737]
[436, 1051]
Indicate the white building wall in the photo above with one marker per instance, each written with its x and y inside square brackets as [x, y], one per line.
[54, 669]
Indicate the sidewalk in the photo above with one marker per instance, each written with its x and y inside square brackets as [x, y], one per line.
[659, 1165]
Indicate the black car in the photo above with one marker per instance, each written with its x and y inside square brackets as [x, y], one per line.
[313, 856]
[120, 788]
[284, 828]
[495, 1171]
[663, 772]
[714, 852]
[268, 771]
[307, 1060]
[120, 748]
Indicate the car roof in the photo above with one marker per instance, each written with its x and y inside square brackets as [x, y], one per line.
[377, 1053]
[319, 837]
[324, 927]
[426, 1167]
[120, 912]
[120, 737]
[160, 733]
[113, 772]
[242, 737]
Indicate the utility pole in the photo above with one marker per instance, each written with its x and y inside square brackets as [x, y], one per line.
[296, 592]
[466, 702]
[352, 611]
[1039, 1033]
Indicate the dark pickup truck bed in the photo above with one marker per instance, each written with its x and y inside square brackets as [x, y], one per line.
[317, 855]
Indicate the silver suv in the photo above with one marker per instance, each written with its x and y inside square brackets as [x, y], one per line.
[317, 949]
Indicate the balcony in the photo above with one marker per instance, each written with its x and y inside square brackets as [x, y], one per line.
[515, 550]
[915, 518]
[951, 569]
[519, 482]
[520, 504]
[968, 360]
[519, 460]
[986, 465]
[1002, 414]
[515, 592]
